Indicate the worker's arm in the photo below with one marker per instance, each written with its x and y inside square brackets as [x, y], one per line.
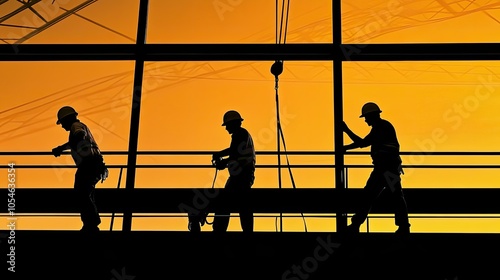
[225, 152]
[352, 135]
[351, 146]
[57, 151]
[358, 142]
[221, 154]
[82, 143]
[218, 159]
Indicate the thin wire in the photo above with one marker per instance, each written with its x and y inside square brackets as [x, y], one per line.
[281, 24]
[286, 22]
[118, 186]
[276, 18]
[276, 79]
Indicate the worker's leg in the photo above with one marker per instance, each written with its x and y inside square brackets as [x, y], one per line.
[370, 193]
[221, 221]
[85, 195]
[241, 186]
[246, 214]
[221, 216]
[393, 181]
[246, 221]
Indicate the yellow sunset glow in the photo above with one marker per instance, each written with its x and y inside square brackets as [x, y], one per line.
[434, 105]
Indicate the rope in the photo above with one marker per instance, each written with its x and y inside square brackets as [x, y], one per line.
[276, 70]
[213, 185]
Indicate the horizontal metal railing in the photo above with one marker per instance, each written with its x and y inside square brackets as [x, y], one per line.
[434, 153]
[312, 201]
[284, 153]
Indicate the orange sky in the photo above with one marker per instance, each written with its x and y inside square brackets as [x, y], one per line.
[435, 106]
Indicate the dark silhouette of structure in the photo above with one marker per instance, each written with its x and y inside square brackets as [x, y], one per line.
[286, 255]
[90, 165]
[386, 168]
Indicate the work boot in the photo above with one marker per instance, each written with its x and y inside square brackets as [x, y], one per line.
[194, 226]
[90, 229]
[403, 231]
[352, 229]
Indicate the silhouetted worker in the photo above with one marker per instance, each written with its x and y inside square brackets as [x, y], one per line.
[240, 163]
[386, 168]
[89, 162]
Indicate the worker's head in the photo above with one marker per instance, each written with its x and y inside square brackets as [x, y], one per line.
[232, 120]
[66, 116]
[371, 112]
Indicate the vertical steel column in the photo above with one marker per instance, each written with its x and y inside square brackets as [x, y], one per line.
[136, 108]
[338, 110]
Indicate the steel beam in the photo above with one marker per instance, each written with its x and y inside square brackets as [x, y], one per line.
[251, 52]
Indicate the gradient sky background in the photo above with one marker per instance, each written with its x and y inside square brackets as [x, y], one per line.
[434, 105]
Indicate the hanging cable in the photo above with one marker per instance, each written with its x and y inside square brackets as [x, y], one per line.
[204, 219]
[276, 70]
[113, 214]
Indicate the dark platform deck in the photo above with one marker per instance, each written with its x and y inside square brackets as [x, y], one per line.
[262, 255]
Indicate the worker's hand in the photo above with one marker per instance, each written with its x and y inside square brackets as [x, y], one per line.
[215, 159]
[102, 171]
[216, 156]
[104, 175]
[57, 151]
[221, 164]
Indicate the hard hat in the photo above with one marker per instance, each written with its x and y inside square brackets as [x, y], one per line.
[64, 112]
[231, 116]
[369, 107]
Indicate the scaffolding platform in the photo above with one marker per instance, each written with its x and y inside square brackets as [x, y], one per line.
[262, 255]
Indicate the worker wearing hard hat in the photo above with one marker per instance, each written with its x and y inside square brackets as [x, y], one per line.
[90, 165]
[386, 167]
[239, 159]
